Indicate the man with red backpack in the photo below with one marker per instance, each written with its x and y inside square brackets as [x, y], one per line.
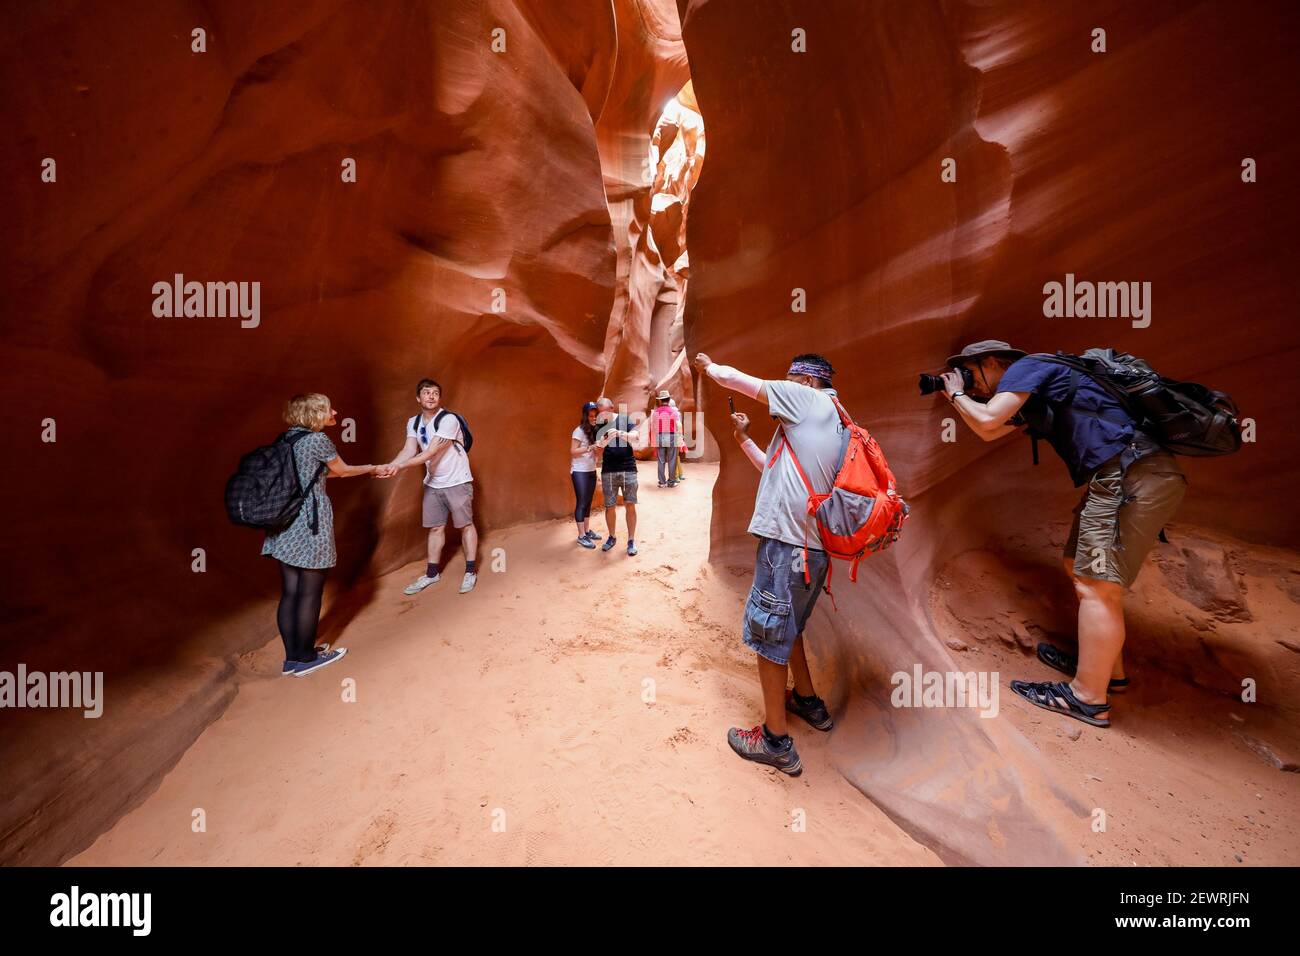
[786, 583]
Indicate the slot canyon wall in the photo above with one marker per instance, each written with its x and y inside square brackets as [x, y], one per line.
[522, 171]
[1123, 165]
[476, 246]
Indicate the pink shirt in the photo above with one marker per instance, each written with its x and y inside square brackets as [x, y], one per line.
[665, 419]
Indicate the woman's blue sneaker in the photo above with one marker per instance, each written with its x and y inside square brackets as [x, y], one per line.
[288, 665]
[587, 543]
[303, 668]
[594, 536]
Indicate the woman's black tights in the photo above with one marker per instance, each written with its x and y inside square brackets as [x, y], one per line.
[299, 611]
[584, 488]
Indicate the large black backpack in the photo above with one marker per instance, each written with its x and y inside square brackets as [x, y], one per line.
[265, 491]
[468, 437]
[1184, 417]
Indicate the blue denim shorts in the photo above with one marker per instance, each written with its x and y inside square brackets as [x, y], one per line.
[780, 602]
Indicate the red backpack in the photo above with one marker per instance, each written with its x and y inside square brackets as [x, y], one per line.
[863, 512]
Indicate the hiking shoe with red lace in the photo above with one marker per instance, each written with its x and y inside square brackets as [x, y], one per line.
[753, 745]
[812, 710]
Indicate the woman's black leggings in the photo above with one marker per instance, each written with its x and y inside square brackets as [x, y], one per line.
[299, 612]
[584, 487]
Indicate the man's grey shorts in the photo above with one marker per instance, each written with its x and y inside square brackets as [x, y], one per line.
[780, 602]
[612, 482]
[456, 502]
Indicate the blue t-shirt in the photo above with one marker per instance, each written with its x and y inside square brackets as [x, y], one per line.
[1087, 432]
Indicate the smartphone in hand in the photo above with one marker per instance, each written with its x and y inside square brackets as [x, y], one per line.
[732, 402]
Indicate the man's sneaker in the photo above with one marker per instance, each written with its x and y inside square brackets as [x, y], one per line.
[753, 745]
[302, 669]
[815, 713]
[609, 543]
[631, 549]
[420, 583]
[468, 581]
[592, 536]
[587, 543]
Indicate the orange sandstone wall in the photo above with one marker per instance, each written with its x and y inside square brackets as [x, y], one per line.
[823, 175]
[475, 246]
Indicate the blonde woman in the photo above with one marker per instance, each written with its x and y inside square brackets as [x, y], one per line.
[305, 549]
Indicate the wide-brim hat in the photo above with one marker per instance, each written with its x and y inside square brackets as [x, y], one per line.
[663, 395]
[978, 350]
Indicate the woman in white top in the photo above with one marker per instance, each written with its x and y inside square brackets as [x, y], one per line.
[582, 469]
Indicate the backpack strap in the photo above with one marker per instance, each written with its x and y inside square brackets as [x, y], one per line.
[437, 419]
[785, 443]
[292, 440]
[844, 415]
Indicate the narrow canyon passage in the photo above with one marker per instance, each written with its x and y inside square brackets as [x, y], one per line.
[884, 184]
[522, 704]
[572, 709]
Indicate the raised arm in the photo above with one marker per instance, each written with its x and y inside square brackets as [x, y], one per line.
[732, 378]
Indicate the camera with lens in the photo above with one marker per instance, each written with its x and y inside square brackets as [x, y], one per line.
[933, 383]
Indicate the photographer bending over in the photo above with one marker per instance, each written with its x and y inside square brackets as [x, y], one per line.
[1133, 486]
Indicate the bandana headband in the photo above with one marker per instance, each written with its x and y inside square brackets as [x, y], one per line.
[815, 369]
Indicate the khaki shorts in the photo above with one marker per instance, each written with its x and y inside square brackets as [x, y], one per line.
[456, 502]
[1119, 518]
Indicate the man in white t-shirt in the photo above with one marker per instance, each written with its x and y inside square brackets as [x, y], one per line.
[435, 439]
[782, 597]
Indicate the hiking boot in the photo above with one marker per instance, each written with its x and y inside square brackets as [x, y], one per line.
[753, 745]
[814, 711]
[467, 583]
[609, 543]
[302, 669]
[420, 583]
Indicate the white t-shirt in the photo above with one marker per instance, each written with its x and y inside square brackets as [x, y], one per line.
[587, 460]
[453, 467]
[813, 426]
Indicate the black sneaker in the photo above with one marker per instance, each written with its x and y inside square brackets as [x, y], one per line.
[753, 745]
[815, 712]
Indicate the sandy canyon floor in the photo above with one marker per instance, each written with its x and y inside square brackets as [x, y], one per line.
[572, 710]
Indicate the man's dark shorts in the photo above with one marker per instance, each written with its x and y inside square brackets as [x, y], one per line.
[780, 602]
[1119, 518]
